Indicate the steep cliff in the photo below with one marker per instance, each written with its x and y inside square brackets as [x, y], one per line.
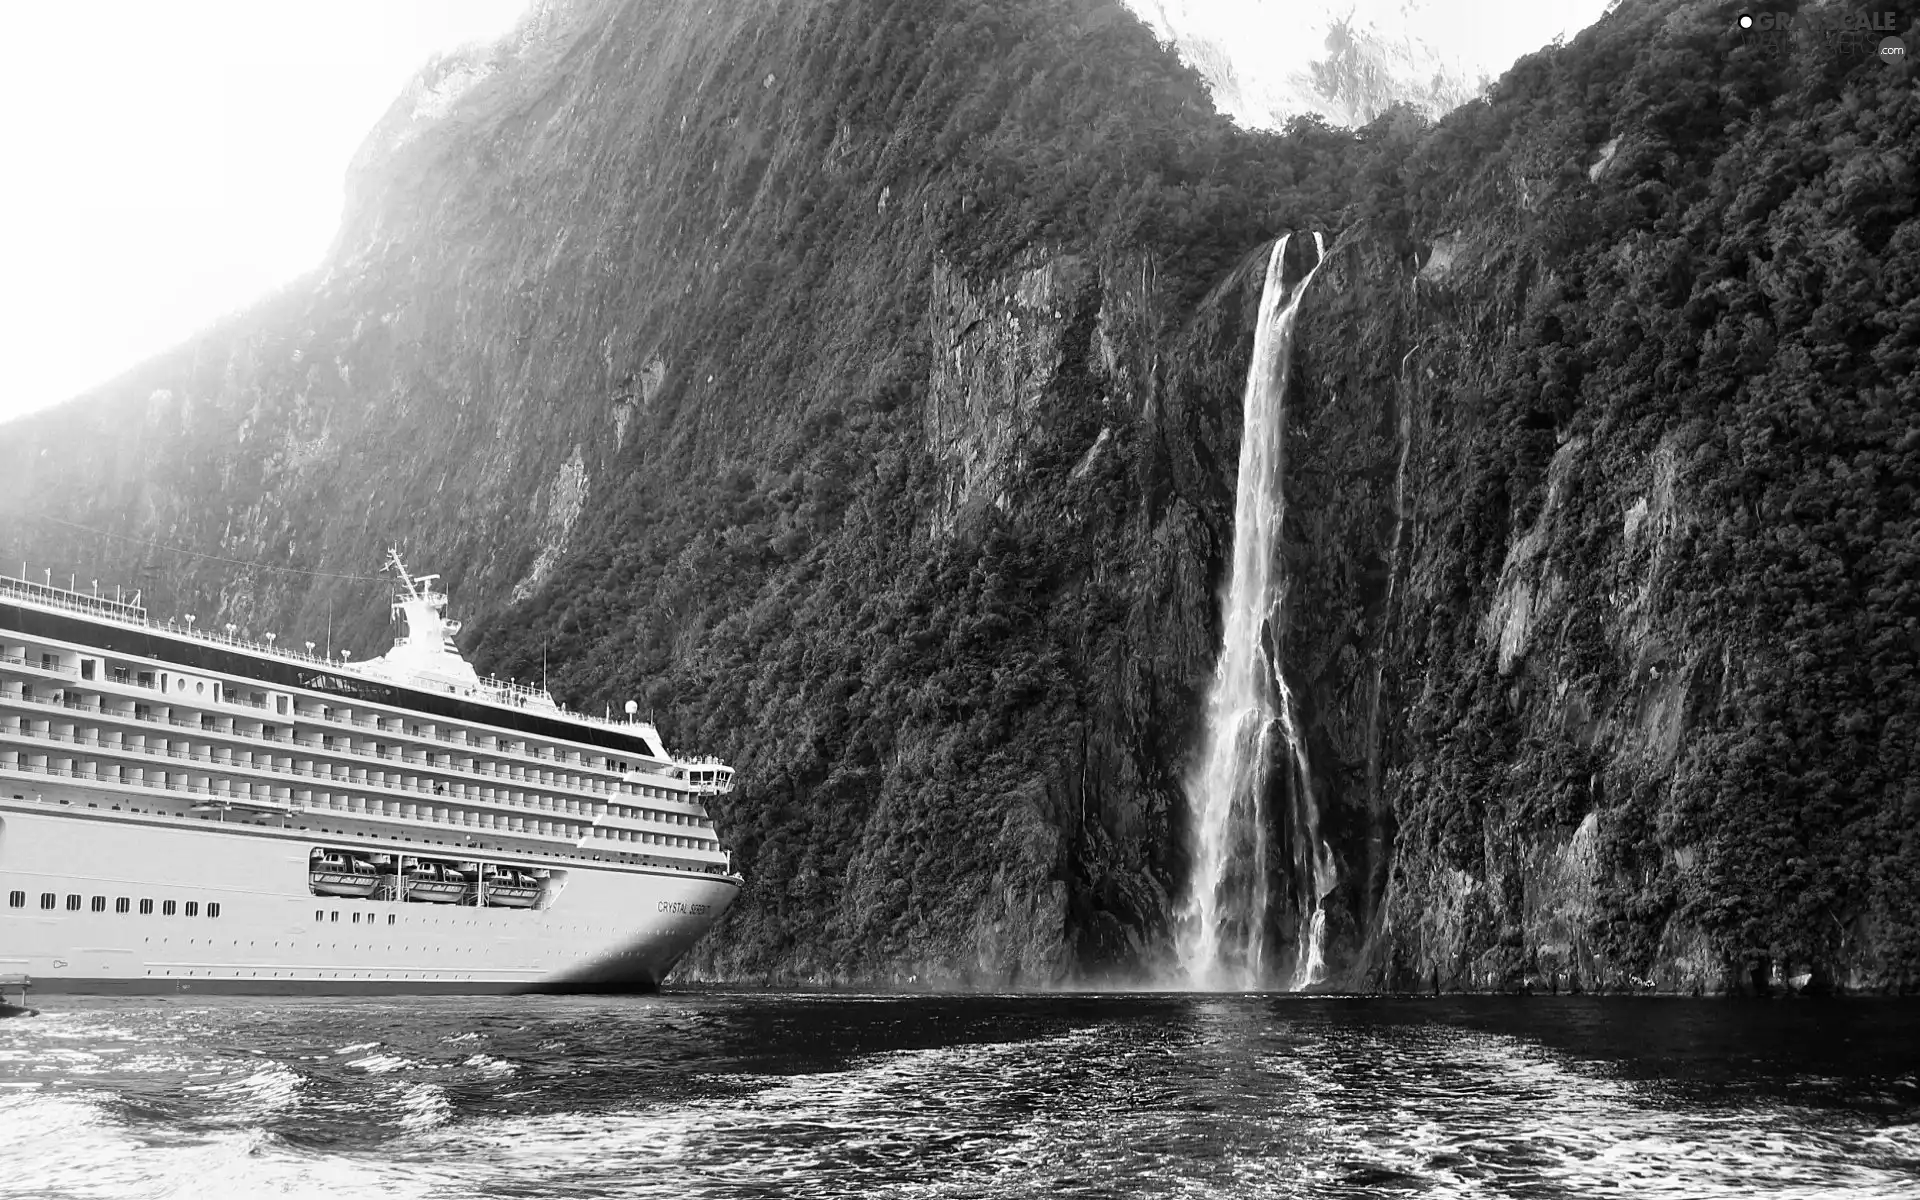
[1605, 497]
[856, 384]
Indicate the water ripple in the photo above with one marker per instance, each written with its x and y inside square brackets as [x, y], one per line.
[705, 1095]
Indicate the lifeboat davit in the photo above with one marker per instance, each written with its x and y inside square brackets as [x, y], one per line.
[435, 883]
[507, 888]
[331, 873]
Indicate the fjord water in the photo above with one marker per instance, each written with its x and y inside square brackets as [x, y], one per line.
[765, 1095]
[1222, 933]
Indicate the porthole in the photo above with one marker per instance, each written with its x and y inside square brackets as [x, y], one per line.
[213, 910]
[146, 908]
[99, 904]
[16, 899]
[168, 908]
[193, 908]
[73, 903]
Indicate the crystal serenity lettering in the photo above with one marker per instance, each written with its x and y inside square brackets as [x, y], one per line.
[685, 909]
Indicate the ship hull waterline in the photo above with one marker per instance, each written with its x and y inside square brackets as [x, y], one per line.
[612, 930]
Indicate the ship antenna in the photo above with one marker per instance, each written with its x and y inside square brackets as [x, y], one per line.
[400, 569]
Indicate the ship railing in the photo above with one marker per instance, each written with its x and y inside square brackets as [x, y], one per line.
[293, 806]
[173, 784]
[270, 649]
[506, 691]
[425, 787]
[72, 601]
[74, 673]
[372, 723]
[21, 660]
[514, 773]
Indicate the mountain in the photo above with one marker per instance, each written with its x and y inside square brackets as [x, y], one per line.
[856, 384]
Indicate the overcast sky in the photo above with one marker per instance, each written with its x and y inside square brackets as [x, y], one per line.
[169, 161]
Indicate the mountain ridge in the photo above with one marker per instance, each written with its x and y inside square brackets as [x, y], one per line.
[856, 385]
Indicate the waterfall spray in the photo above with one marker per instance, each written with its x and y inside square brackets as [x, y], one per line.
[1222, 932]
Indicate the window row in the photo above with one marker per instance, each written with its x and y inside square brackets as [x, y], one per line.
[272, 760]
[50, 901]
[321, 914]
[174, 683]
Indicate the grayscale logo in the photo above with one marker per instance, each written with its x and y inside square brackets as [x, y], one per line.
[1863, 33]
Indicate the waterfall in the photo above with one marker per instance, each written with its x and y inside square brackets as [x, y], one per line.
[1221, 936]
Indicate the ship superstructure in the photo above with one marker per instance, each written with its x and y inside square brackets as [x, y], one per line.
[186, 809]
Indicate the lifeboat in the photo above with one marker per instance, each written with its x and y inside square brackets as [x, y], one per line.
[508, 888]
[435, 883]
[331, 873]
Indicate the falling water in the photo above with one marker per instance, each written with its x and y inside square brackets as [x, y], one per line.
[1222, 939]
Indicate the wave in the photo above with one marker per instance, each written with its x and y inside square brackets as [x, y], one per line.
[80, 1151]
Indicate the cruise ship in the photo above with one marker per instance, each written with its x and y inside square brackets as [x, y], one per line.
[184, 810]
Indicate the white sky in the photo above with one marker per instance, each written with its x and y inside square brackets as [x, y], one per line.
[1268, 43]
[169, 161]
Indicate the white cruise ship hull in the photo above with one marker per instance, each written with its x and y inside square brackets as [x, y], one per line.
[610, 928]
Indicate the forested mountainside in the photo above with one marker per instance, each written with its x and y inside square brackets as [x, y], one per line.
[856, 383]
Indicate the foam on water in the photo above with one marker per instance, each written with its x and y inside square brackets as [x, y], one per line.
[78, 1150]
[382, 1064]
[489, 1064]
[1215, 1096]
[248, 1098]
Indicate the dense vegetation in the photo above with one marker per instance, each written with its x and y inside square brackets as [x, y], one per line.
[1693, 289]
[899, 345]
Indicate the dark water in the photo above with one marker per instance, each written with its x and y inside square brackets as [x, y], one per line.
[702, 1094]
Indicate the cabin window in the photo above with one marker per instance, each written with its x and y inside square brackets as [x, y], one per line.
[48, 900]
[49, 662]
[206, 721]
[168, 908]
[336, 915]
[146, 908]
[199, 688]
[319, 914]
[146, 679]
[99, 904]
[73, 903]
[390, 918]
[213, 909]
[122, 675]
[193, 908]
[87, 666]
[16, 899]
[122, 904]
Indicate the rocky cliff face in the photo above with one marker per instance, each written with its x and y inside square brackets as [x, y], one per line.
[1590, 649]
[857, 385]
